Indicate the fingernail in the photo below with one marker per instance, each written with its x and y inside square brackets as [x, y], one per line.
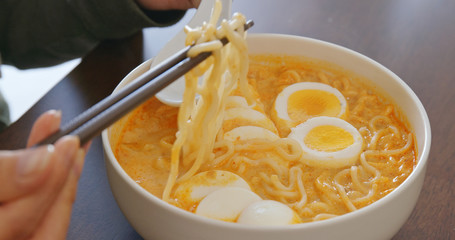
[57, 113]
[34, 161]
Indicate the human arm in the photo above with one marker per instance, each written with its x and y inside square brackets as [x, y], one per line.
[46, 32]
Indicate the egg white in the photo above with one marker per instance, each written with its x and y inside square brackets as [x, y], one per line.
[236, 102]
[250, 132]
[268, 213]
[239, 116]
[334, 159]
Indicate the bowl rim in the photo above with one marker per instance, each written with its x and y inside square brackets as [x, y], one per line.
[419, 169]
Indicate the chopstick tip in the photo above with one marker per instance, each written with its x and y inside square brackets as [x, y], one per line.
[249, 24]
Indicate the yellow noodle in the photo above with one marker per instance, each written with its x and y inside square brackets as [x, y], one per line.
[342, 192]
[301, 188]
[368, 167]
[323, 216]
[394, 151]
[288, 149]
[355, 179]
[380, 133]
[219, 160]
[371, 192]
[204, 47]
[200, 120]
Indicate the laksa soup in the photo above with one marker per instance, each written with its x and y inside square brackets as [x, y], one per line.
[266, 139]
[275, 140]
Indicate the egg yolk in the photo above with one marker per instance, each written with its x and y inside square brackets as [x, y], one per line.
[327, 138]
[312, 102]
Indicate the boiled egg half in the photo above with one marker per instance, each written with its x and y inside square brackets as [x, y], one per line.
[250, 132]
[226, 204]
[328, 142]
[300, 101]
[268, 213]
[193, 190]
[239, 116]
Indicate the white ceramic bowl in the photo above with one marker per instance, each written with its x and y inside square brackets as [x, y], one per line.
[155, 219]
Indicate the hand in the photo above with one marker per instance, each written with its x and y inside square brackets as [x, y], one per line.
[168, 4]
[38, 185]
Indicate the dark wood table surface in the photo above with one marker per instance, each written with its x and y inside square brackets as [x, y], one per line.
[413, 38]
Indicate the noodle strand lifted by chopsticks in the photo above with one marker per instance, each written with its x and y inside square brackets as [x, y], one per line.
[200, 118]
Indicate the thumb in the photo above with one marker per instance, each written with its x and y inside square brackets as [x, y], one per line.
[22, 171]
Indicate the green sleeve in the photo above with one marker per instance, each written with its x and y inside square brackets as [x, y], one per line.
[4, 113]
[46, 32]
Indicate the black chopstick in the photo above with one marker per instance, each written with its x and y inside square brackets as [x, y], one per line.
[91, 122]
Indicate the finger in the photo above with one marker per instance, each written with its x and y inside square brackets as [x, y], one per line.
[22, 216]
[45, 125]
[195, 3]
[22, 171]
[58, 218]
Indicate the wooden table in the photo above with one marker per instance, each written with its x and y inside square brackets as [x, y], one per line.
[413, 38]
